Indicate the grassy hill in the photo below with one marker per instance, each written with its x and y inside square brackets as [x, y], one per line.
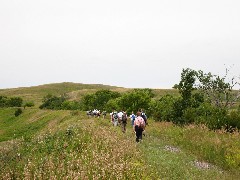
[74, 90]
[47, 144]
[36, 93]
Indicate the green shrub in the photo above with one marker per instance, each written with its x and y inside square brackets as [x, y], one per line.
[52, 102]
[189, 115]
[233, 120]
[10, 102]
[15, 102]
[162, 109]
[18, 112]
[111, 105]
[71, 105]
[28, 104]
[99, 99]
[134, 100]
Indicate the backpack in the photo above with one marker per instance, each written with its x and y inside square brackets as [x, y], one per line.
[141, 125]
[133, 117]
[144, 116]
[115, 116]
[124, 118]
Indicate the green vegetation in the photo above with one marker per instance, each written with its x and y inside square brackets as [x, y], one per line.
[10, 102]
[204, 99]
[59, 141]
[69, 145]
[36, 93]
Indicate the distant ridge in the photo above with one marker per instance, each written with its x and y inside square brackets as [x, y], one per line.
[38, 92]
[74, 90]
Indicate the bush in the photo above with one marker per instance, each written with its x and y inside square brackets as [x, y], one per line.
[111, 105]
[99, 99]
[212, 116]
[162, 109]
[71, 105]
[3, 101]
[18, 112]
[189, 115]
[15, 102]
[233, 120]
[134, 100]
[28, 104]
[10, 102]
[52, 102]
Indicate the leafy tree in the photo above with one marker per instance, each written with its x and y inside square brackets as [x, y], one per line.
[99, 99]
[175, 86]
[132, 101]
[186, 85]
[103, 96]
[217, 91]
[112, 104]
[15, 102]
[162, 109]
[3, 101]
[88, 101]
[186, 88]
[52, 102]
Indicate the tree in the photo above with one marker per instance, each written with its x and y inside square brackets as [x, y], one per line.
[186, 85]
[162, 109]
[217, 91]
[15, 102]
[52, 102]
[3, 101]
[99, 99]
[132, 101]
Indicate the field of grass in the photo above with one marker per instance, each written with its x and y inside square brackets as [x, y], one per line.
[45, 144]
[75, 91]
[36, 93]
[48, 144]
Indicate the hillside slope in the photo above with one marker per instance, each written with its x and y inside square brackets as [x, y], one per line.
[36, 93]
[74, 90]
[66, 144]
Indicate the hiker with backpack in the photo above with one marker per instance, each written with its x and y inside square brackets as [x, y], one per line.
[104, 113]
[120, 114]
[115, 118]
[132, 116]
[124, 122]
[144, 116]
[139, 126]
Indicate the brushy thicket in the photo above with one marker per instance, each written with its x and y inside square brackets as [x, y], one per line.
[204, 99]
[209, 104]
[103, 100]
[10, 102]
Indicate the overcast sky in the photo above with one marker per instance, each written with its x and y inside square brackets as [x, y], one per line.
[127, 43]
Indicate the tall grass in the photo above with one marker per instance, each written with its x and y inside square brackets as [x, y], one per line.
[219, 149]
[80, 151]
[71, 146]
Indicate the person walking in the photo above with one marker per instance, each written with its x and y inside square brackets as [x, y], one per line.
[132, 116]
[139, 126]
[124, 122]
[120, 114]
[115, 118]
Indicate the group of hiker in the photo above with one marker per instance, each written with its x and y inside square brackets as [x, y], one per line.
[96, 113]
[138, 122]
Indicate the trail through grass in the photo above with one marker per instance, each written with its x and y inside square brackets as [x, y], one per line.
[75, 147]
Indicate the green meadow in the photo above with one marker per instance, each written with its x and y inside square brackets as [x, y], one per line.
[64, 144]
